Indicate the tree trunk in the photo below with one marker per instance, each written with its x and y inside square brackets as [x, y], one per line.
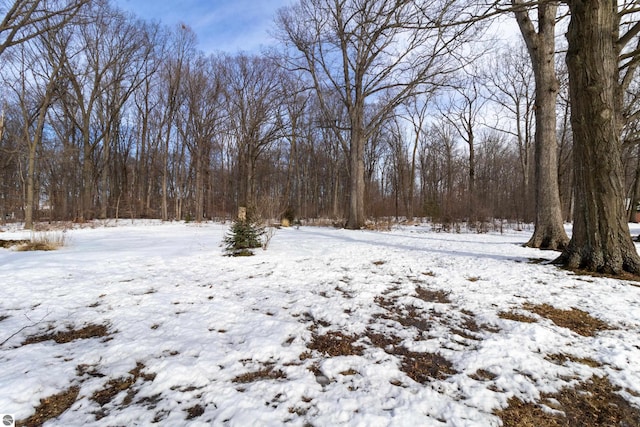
[165, 177]
[635, 192]
[601, 240]
[356, 219]
[87, 177]
[549, 229]
[199, 211]
[31, 172]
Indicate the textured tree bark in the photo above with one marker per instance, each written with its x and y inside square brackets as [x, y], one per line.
[356, 218]
[601, 241]
[549, 229]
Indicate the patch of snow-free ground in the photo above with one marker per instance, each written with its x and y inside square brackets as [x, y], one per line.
[230, 341]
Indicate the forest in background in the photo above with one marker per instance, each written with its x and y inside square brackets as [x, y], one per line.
[107, 115]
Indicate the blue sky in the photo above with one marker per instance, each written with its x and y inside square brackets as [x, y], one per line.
[221, 25]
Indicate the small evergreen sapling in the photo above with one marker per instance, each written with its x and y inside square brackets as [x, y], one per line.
[243, 236]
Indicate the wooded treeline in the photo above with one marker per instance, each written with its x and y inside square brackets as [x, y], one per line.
[111, 116]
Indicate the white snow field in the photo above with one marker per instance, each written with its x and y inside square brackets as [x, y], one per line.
[149, 323]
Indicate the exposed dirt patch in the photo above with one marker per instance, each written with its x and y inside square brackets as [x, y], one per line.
[268, 373]
[89, 370]
[622, 276]
[89, 331]
[424, 367]
[334, 344]
[421, 367]
[483, 375]
[383, 341]
[407, 316]
[51, 407]
[561, 359]
[518, 317]
[578, 321]
[469, 329]
[429, 295]
[593, 403]
[195, 412]
[116, 386]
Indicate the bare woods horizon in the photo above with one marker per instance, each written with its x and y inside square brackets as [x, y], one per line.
[363, 110]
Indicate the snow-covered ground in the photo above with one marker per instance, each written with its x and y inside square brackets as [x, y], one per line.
[322, 329]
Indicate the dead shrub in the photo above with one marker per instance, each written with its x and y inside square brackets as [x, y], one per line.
[44, 241]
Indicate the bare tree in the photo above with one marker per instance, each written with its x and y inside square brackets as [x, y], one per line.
[512, 90]
[36, 77]
[416, 112]
[599, 60]
[549, 229]
[253, 90]
[201, 115]
[23, 20]
[181, 52]
[463, 112]
[102, 68]
[296, 99]
[370, 50]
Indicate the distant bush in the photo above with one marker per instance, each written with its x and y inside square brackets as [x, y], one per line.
[289, 214]
[44, 241]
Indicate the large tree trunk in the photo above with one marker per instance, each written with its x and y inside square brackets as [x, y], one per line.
[601, 241]
[356, 219]
[549, 229]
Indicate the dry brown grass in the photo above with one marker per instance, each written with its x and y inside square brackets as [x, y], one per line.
[334, 344]
[578, 321]
[268, 373]
[561, 359]
[422, 367]
[51, 407]
[89, 331]
[428, 295]
[118, 385]
[8, 243]
[194, 412]
[592, 403]
[44, 241]
[512, 315]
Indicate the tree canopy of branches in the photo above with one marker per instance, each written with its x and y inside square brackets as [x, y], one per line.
[24, 20]
[373, 54]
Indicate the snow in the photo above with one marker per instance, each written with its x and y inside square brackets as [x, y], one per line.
[198, 320]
